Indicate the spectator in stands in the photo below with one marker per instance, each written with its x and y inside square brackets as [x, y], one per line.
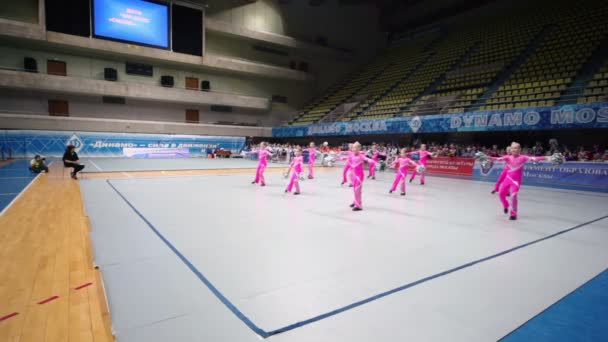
[38, 165]
[70, 159]
[538, 149]
[568, 155]
[553, 146]
[452, 151]
[598, 152]
[582, 155]
[494, 152]
[468, 152]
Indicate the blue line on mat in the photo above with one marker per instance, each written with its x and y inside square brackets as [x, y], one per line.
[266, 334]
[578, 316]
[194, 270]
[423, 280]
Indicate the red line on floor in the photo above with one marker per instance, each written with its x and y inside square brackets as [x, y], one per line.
[8, 316]
[48, 300]
[83, 286]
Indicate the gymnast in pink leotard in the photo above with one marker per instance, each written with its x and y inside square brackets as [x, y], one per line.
[502, 176]
[356, 160]
[263, 154]
[402, 163]
[312, 155]
[424, 155]
[297, 166]
[346, 171]
[375, 155]
[514, 164]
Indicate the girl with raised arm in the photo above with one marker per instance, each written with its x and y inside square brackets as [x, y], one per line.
[263, 154]
[514, 164]
[424, 155]
[346, 172]
[502, 176]
[374, 153]
[402, 162]
[355, 161]
[297, 166]
[312, 155]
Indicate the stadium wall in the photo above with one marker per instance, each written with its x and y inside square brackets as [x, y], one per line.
[356, 29]
[231, 63]
[23, 10]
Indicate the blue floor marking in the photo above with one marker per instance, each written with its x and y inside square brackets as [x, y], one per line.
[581, 315]
[266, 334]
[14, 178]
[194, 270]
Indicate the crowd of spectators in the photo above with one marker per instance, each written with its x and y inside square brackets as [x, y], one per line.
[595, 153]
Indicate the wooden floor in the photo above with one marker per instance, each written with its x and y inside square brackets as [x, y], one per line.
[45, 256]
[45, 252]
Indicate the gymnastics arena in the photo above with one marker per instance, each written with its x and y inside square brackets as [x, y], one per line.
[303, 170]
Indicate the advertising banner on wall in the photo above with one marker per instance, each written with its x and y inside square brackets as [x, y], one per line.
[27, 143]
[594, 115]
[453, 166]
[572, 175]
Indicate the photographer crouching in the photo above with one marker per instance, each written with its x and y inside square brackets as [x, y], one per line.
[38, 165]
[70, 159]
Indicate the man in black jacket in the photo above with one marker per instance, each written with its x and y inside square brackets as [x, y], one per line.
[70, 159]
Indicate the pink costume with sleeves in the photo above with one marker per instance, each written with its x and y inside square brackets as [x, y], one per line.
[402, 164]
[422, 160]
[296, 165]
[501, 178]
[512, 182]
[372, 167]
[356, 160]
[346, 170]
[262, 163]
[312, 154]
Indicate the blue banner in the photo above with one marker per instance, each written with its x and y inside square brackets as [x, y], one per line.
[593, 115]
[587, 176]
[27, 143]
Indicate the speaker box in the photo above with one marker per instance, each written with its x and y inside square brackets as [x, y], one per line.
[30, 64]
[113, 100]
[205, 86]
[110, 74]
[139, 69]
[279, 98]
[166, 81]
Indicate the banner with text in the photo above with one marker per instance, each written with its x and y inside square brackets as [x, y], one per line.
[454, 166]
[27, 143]
[572, 175]
[593, 115]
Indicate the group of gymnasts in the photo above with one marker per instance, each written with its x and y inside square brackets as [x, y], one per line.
[508, 184]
